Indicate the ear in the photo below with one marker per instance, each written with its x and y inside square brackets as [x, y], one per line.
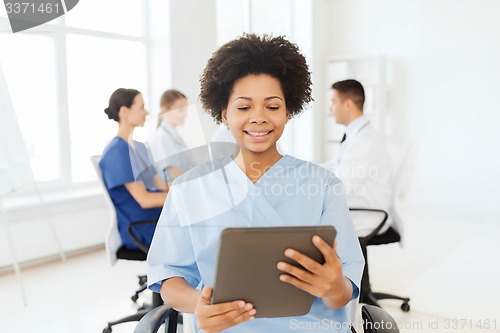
[123, 112]
[288, 115]
[349, 103]
[224, 116]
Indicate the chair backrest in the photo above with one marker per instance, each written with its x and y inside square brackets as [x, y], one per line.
[113, 240]
[398, 153]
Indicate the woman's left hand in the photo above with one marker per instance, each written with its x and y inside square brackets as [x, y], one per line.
[320, 280]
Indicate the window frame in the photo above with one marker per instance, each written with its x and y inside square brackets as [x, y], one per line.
[58, 31]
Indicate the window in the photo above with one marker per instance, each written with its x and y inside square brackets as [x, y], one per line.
[271, 17]
[60, 76]
[256, 16]
[123, 17]
[118, 63]
[292, 18]
[29, 65]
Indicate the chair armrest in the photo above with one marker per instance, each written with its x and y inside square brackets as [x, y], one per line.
[143, 247]
[152, 321]
[377, 320]
[379, 226]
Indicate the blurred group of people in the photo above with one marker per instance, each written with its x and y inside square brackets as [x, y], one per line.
[251, 87]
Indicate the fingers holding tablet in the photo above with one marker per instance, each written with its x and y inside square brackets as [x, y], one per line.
[320, 280]
[217, 317]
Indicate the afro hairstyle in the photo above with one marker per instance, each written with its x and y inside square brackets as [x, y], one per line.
[251, 54]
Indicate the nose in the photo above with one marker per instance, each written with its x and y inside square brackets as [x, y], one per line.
[258, 115]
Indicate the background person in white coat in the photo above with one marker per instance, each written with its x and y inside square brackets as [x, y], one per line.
[362, 162]
[170, 153]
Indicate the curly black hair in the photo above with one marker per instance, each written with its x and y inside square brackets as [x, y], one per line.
[253, 54]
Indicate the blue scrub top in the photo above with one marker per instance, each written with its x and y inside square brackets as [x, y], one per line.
[120, 164]
[202, 202]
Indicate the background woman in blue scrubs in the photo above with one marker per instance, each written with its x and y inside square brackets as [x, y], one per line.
[136, 190]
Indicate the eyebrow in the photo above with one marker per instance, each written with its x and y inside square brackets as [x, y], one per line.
[250, 99]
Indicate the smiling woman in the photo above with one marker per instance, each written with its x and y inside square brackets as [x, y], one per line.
[254, 85]
[256, 114]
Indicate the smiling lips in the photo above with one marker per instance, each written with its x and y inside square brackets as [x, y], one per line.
[257, 135]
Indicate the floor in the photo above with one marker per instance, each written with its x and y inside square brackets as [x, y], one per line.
[449, 268]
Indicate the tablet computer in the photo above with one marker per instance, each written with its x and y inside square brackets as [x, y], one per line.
[246, 267]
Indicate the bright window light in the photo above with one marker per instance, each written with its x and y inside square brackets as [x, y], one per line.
[116, 16]
[30, 70]
[264, 17]
[92, 78]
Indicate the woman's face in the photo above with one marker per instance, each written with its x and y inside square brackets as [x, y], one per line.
[136, 114]
[256, 112]
[177, 112]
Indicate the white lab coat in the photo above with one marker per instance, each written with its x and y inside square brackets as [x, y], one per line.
[364, 165]
[168, 149]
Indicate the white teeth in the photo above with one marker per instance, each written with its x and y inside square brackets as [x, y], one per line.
[258, 133]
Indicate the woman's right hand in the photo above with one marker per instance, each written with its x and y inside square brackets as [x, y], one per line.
[212, 318]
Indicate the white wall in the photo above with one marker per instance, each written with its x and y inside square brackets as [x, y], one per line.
[193, 39]
[322, 49]
[444, 82]
[78, 220]
[159, 58]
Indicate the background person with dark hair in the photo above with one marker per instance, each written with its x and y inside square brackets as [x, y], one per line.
[362, 162]
[137, 192]
[254, 85]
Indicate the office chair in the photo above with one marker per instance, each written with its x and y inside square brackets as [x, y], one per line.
[376, 320]
[116, 251]
[399, 155]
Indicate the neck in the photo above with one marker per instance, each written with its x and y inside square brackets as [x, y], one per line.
[125, 131]
[168, 121]
[166, 116]
[255, 165]
[171, 123]
[354, 117]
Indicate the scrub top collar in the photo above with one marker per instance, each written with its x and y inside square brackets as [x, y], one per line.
[240, 174]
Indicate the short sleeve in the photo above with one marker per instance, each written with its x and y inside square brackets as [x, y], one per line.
[144, 170]
[335, 212]
[171, 252]
[116, 167]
